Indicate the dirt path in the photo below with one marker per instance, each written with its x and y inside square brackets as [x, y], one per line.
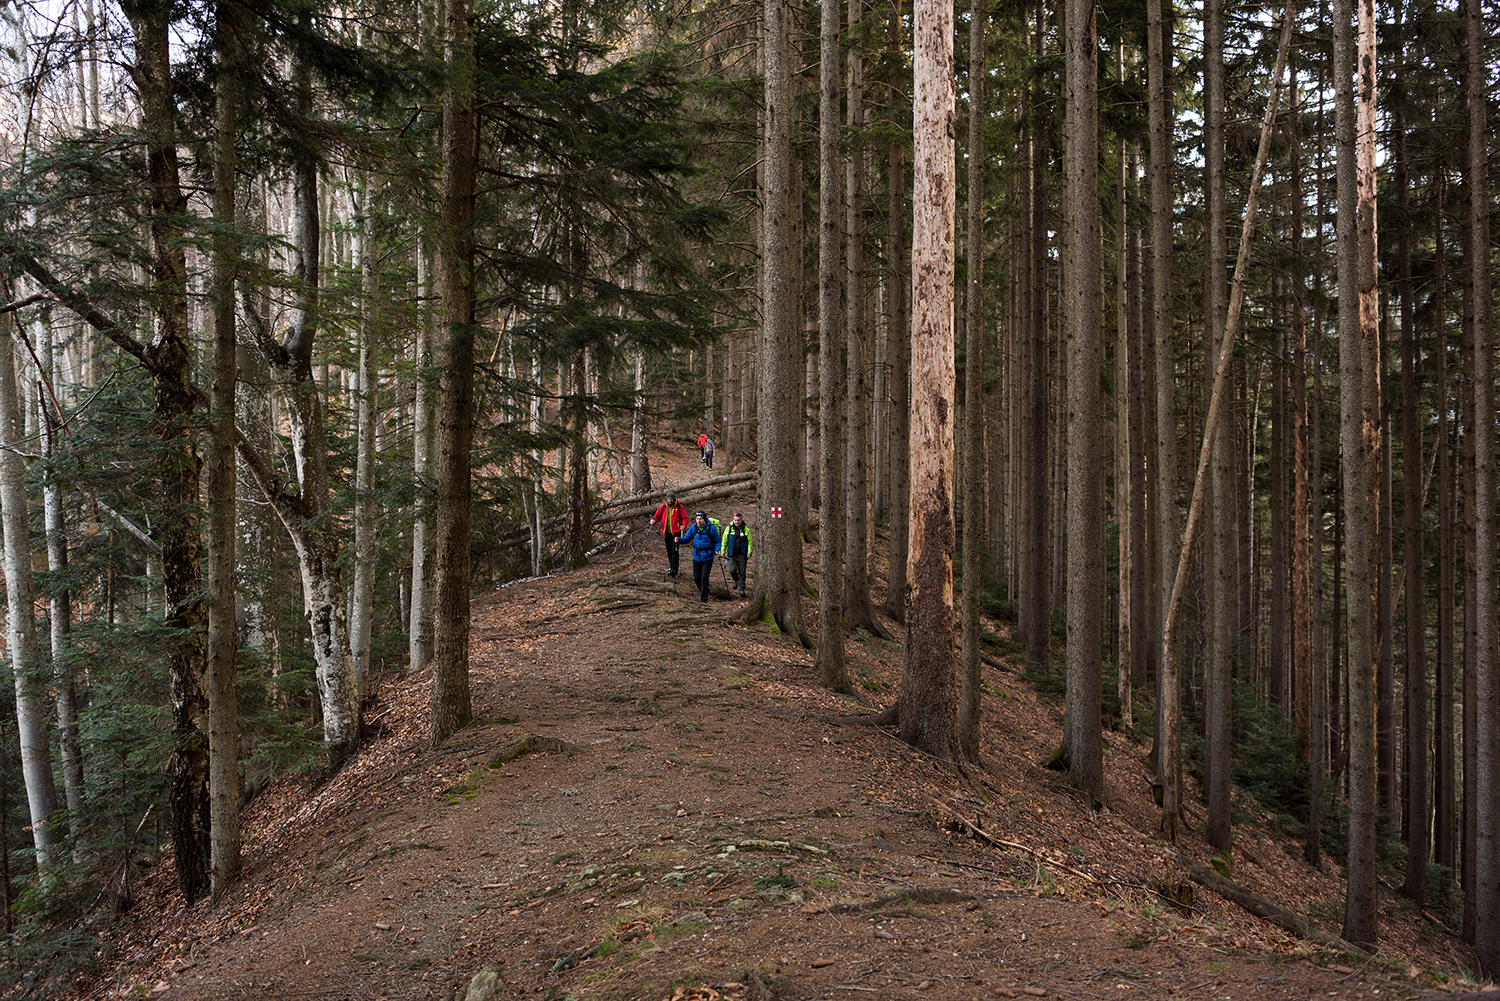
[658, 803]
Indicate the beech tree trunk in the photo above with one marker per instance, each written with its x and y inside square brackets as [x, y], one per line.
[223, 709]
[362, 605]
[420, 624]
[21, 640]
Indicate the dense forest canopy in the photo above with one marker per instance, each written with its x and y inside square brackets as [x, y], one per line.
[318, 319]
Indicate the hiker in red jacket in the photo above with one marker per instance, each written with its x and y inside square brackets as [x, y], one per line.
[673, 518]
[702, 442]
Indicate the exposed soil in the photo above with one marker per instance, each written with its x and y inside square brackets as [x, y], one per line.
[683, 816]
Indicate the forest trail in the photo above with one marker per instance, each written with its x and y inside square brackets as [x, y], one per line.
[658, 803]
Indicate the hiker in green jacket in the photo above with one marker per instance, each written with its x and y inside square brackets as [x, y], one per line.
[735, 549]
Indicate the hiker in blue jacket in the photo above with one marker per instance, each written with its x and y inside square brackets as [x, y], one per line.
[704, 536]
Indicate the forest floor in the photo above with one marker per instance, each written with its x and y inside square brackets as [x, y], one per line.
[657, 802]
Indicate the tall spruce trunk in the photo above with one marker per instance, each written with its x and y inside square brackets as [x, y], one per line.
[899, 340]
[832, 667]
[174, 401]
[1487, 667]
[970, 702]
[1083, 319]
[1218, 555]
[1359, 421]
[1160, 17]
[859, 612]
[1414, 568]
[451, 708]
[1444, 840]
[778, 581]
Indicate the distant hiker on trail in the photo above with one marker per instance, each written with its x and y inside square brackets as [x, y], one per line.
[673, 518]
[702, 442]
[708, 452]
[736, 550]
[704, 535]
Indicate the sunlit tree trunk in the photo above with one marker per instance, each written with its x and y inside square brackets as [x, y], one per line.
[21, 640]
[927, 705]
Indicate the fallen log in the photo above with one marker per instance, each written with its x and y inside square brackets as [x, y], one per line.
[733, 485]
[1263, 908]
[661, 494]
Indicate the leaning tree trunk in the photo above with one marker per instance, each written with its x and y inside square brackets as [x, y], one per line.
[260, 586]
[1216, 400]
[305, 510]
